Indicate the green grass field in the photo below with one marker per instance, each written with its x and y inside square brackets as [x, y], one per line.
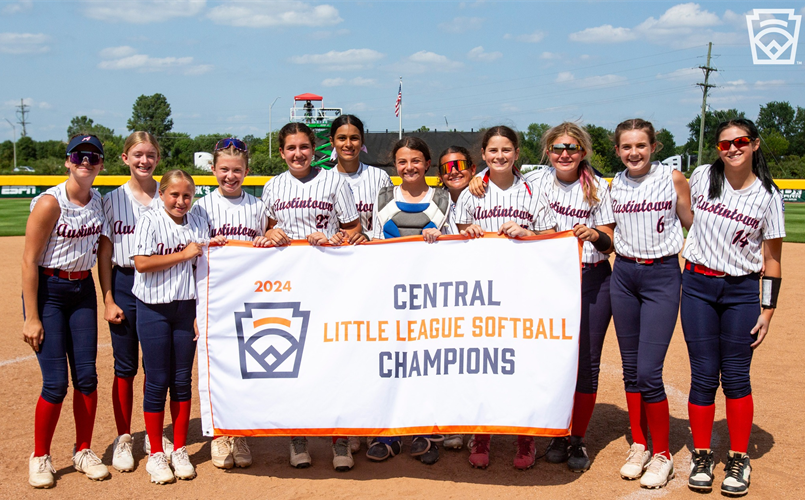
[14, 213]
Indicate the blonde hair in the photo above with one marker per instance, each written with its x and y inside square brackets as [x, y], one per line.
[172, 176]
[585, 171]
[140, 137]
[230, 151]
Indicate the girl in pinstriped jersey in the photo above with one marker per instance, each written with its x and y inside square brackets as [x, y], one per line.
[59, 303]
[651, 202]
[122, 208]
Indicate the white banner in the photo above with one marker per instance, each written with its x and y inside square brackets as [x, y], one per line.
[390, 338]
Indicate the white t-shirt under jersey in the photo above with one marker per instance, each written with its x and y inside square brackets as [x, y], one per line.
[365, 183]
[158, 234]
[122, 211]
[570, 208]
[303, 208]
[647, 226]
[243, 218]
[73, 242]
[727, 232]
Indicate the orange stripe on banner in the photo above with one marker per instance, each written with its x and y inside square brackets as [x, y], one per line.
[398, 431]
[272, 321]
[404, 239]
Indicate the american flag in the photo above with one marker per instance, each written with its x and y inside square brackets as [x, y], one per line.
[399, 101]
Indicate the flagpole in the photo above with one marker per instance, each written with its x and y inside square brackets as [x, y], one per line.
[401, 108]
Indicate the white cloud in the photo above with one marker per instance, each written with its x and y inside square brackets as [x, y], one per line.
[534, 37]
[733, 86]
[564, 76]
[550, 56]
[127, 58]
[237, 118]
[23, 43]
[601, 81]
[478, 54]
[769, 83]
[683, 25]
[142, 11]
[355, 82]
[28, 101]
[426, 61]
[603, 34]
[462, 24]
[19, 6]
[688, 74]
[347, 60]
[263, 14]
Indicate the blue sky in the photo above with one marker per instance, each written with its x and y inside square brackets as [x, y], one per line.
[475, 64]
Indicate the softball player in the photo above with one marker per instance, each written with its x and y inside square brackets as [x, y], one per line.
[167, 243]
[60, 307]
[736, 238]
[651, 202]
[122, 208]
[232, 214]
[315, 204]
[346, 135]
[512, 207]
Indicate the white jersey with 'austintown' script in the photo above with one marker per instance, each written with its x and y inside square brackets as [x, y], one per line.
[158, 234]
[73, 242]
[365, 183]
[647, 226]
[122, 211]
[242, 218]
[727, 232]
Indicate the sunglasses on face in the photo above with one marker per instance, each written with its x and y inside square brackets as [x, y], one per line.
[231, 141]
[740, 142]
[459, 166]
[570, 148]
[78, 157]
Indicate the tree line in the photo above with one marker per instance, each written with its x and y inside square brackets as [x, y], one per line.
[782, 128]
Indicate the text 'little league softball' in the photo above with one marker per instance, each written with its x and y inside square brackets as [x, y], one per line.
[280, 353]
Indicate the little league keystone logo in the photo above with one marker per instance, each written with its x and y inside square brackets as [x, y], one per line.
[271, 338]
[773, 35]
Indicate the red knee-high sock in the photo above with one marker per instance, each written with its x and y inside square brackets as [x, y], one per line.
[84, 406]
[45, 419]
[583, 406]
[659, 425]
[701, 424]
[740, 413]
[180, 412]
[637, 418]
[153, 427]
[122, 402]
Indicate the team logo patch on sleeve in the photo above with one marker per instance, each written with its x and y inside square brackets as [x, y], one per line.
[271, 339]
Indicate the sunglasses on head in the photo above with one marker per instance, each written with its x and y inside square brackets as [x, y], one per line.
[78, 157]
[231, 142]
[459, 166]
[740, 142]
[563, 146]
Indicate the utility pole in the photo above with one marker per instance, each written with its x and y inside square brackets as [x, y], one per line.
[15, 142]
[269, 127]
[23, 110]
[705, 87]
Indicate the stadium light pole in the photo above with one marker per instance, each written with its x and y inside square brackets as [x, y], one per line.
[269, 127]
[14, 142]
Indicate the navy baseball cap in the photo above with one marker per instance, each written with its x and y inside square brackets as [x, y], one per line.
[79, 140]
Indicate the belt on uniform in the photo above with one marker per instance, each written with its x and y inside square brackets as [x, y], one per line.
[648, 262]
[700, 269]
[68, 275]
[589, 265]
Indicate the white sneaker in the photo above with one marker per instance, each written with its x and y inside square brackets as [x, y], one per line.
[87, 461]
[659, 471]
[636, 462]
[167, 446]
[159, 469]
[241, 453]
[300, 458]
[182, 468]
[40, 471]
[354, 444]
[123, 460]
[454, 441]
[221, 452]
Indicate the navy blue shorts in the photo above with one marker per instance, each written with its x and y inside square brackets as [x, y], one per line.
[717, 316]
